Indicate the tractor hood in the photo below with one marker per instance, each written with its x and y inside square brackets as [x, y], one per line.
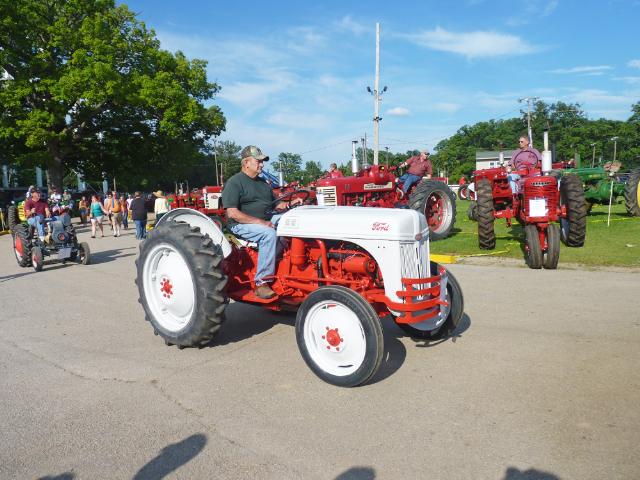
[342, 223]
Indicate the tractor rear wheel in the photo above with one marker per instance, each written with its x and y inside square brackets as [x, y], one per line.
[444, 325]
[463, 192]
[12, 217]
[573, 227]
[339, 336]
[21, 244]
[632, 193]
[84, 253]
[552, 255]
[438, 204]
[532, 247]
[181, 284]
[484, 214]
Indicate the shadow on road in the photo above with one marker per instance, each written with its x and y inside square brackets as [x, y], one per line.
[106, 256]
[357, 473]
[62, 476]
[243, 321]
[513, 473]
[172, 457]
[463, 326]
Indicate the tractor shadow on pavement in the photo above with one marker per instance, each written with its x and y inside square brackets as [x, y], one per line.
[243, 321]
[463, 326]
[172, 457]
[106, 256]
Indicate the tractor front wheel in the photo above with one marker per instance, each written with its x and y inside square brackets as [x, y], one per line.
[84, 253]
[339, 336]
[632, 193]
[573, 227]
[532, 247]
[443, 325]
[472, 211]
[37, 259]
[484, 215]
[438, 204]
[552, 254]
[181, 284]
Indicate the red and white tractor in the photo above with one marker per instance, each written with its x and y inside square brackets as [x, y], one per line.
[542, 199]
[341, 269]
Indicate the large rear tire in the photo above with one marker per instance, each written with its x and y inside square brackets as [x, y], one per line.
[21, 244]
[484, 214]
[551, 256]
[181, 284]
[437, 328]
[437, 202]
[12, 217]
[339, 336]
[532, 248]
[632, 193]
[573, 227]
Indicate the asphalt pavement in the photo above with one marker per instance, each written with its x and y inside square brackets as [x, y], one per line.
[540, 382]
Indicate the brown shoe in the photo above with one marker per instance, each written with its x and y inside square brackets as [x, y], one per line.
[264, 291]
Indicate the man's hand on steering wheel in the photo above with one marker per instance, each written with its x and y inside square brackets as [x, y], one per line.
[281, 205]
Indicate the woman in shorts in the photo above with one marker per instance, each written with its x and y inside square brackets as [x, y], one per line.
[96, 212]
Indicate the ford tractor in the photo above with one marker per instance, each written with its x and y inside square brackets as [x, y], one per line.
[341, 269]
[542, 199]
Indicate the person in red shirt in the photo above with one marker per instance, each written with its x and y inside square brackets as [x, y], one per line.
[419, 166]
[333, 172]
[36, 209]
[524, 157]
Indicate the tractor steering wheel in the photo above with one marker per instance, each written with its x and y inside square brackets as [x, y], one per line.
[306, 194]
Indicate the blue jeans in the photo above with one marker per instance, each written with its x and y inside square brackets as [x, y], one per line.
[267, 241]
[408, 179]
[513, 181]
[141, 229]
[37, 221]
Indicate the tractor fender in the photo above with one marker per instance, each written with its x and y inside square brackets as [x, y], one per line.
[204, 223]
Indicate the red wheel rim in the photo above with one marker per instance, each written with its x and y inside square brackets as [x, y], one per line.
[434, 211]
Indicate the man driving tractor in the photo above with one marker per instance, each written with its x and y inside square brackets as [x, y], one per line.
[525, 156]
[36, 209]
[247, 199]
[419, 166]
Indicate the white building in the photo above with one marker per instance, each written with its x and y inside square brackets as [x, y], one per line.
[489, 159]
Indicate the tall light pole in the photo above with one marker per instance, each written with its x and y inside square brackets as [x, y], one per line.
[593, 155]
[376, 99]
[529, 100]
[615, 147]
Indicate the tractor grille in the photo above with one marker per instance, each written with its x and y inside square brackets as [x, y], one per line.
[329, 195]
[414, 261]
[542, 188]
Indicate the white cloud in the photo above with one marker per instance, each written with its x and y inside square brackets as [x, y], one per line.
[304, 120]
[306, 40]
[629, 80]
[549, 8]
[635, 63]
[398, 112]
[531, 11]
[448, 107]
[585, 70]
[348, 24]
[476, 44]
[253, 96]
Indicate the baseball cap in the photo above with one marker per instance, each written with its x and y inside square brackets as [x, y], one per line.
[255, 152]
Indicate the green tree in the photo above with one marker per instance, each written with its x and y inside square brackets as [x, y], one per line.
[290, 163]
[91, 90]
[312, 171]
[229, 160]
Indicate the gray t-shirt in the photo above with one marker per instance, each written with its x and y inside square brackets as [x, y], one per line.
[252, 196]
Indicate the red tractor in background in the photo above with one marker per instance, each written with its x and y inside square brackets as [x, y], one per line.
[377, 186]
[542, 198]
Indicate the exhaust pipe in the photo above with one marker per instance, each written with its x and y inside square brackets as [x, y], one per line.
[354, 159]
[546, 155]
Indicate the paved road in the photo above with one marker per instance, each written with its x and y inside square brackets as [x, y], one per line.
[542, 387]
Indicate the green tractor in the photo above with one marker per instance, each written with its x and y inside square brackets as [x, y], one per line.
[604, 183]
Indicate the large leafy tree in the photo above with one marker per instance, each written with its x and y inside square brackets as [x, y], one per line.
[290, 164]
[88, 88]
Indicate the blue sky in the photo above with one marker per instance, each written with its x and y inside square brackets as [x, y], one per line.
[294, 74]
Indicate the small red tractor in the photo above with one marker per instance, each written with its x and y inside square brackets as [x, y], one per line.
[341, 269]
[207, 200]
[542, 199]
[377, 186]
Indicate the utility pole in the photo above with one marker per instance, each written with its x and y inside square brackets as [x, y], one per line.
[529, 100]
[593, 155]
[364, 150]
[376, 99]
[386, 158]
[615, 147]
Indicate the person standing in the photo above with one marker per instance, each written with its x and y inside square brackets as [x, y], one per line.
[96, 213]
[83, 209]
[419, 166]
[124, 207]
[115, 211]
[139, 215]
[333, 172]
[161, 207]
[523, 157]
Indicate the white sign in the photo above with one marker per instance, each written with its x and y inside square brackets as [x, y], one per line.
[537, 207]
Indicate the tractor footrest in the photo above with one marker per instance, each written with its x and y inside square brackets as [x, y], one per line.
[250, 297]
